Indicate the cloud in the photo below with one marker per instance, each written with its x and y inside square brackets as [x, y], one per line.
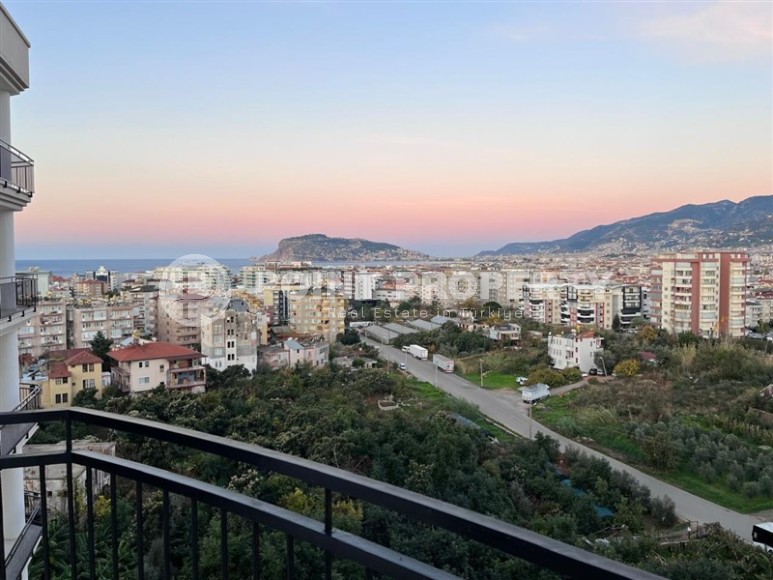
[718, 31]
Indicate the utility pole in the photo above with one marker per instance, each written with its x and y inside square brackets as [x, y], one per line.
[481, 373]
[436, 377]
[530, 423]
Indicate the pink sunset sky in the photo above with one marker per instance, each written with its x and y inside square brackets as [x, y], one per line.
[449, 129]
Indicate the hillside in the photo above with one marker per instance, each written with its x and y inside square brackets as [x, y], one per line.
[721, 224]
[321, 248]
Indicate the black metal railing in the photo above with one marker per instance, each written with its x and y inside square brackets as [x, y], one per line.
[17, 170]
[18, 295]
[30, 535]
[539, 550]
[13, 434]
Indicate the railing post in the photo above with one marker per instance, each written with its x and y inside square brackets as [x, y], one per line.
[140, 539]
[224, 544]
[2, 531]
[44, 521]
[290, 557]
[328, 531]
[70, 497]
[194, 540]
[90, 524]
[114, 523]
[165, 533]
[255, 550]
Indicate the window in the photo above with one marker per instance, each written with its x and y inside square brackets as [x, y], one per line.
[59, 399]
[144, 380]
[89, 384]
[65, 396]
[161, 368]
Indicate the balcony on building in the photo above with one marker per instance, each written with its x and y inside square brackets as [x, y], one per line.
[18, 297]
[17, 171]
[12, 435]
[150, 485]
[193, 378]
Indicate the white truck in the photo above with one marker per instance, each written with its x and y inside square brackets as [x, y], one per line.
[535, 393]
[762, 536]
[444, 363]
[418, 352]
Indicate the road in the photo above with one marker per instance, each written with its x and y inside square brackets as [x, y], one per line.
[506, 408]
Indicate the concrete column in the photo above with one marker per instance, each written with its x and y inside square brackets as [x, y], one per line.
[5, 116]
[12, 480]
[7, 245]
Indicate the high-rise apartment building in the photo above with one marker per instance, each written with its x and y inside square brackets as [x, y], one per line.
[700, 292]
[232, 336]
[179, 319]
[317, 313]
[45, 332]
[18, 296]
[115, 320]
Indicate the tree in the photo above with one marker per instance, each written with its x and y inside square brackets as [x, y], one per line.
[616, 323]
[627, 368]
[349, 337]
[100, 346]
[647, 334]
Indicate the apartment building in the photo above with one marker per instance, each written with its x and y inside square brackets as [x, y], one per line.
[115, 320]
[232, 337]
[45, 332]
[145, 302]
[294, 352]
[358, 284]
[179, 319]
[317, 313]
[700, 292]
[90, 288]
[142, 367]
[599, 304]
[574, 350]
[542, 302]
[18, 295]
[759, 307]
[67, 373]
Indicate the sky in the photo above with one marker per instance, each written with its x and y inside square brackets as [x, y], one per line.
[166, 128]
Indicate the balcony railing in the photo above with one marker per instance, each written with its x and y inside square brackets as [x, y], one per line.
[13, 434]
[17, 171]
[18, 294]
[541, 551]
[19, 554]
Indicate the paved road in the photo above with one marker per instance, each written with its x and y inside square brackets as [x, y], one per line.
[505, 407]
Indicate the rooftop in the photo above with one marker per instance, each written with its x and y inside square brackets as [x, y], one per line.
[152, 351]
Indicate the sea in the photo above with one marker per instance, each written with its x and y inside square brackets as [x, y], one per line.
[67, 268]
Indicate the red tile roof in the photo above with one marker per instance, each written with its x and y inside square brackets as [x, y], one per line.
[83, 358]
[152, 351]
[65, 354]
[58, 370]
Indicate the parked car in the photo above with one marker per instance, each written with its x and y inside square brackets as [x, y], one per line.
[402, 366]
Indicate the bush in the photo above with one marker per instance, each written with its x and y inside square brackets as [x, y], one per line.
[663, 510]
[751, 489]
[627, 368]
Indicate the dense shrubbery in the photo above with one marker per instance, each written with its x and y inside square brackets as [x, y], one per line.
[330, 416]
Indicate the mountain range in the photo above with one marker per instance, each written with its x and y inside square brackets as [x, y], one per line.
[747, 223]
[321, 248]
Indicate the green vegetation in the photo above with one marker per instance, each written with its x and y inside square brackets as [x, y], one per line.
[493, 380]
[332, 416]
[700, 419]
